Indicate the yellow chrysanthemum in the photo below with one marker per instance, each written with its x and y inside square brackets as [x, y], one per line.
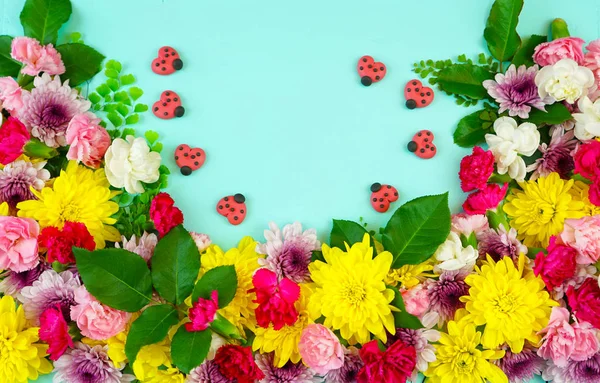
[81, 195]
[460, 358]
[4, 210]
[351, 294]
[539, 211]
[170, 375]
[408, 276]
[284, 342]
[21, 358]
[511, 303]
[240, 311]
[581, 192]
[150, 358]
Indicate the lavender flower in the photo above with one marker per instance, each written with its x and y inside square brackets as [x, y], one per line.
[348, 372]
[13, 282]
[586, 371]
[290, 373]
[444, 294]
[289, 254]
[207, 372]
[556, 157]
[49, 107]
[521, 367]
[499, 244]
[85, 364]
[516, 91]
[17, 178]
[143, 246]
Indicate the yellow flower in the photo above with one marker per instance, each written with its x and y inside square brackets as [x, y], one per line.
[4, 210]
[408, 276]
[581, 192]
[81, 195]
[513, 305]
[539, 211]
[284, 342]
[170, 375]
[351, 294]
[21, 358]
[150, 358]
[460, 358]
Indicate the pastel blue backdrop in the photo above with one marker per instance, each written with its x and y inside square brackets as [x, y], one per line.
[272, 94]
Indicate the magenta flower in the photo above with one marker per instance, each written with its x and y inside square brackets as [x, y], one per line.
[55, 331]
[556, 157]
[485, 199]
[203, 312]
[275, 299]
[521, 367]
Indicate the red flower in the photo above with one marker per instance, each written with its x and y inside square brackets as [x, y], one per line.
[557, 266]
[13, 136]
[587, 160]
[594, 193]
[203, 312]
[275, 299]
[485, 199]
[476, 169]
[237, 362]
[585, 301]
[393, 365]
[54, 331]
[164, 214]
[60, 242]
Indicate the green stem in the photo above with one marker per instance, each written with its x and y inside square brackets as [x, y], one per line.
[559, 29]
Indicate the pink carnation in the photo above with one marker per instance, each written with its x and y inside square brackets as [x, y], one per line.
[320, 349]
[95, 320]
[416, 300]
[18, 243]
[13, 136]
[585, 301]
[466, 224]
[275, 299]
[564, 48]
[476, 169]
[594, 193]
[89, 141]
[485, 199]
[563, 341]
[557, 266]
[583, 234]
[55, 331]
[203, 312]
[37, 58]
[592, 58]
[10, 94]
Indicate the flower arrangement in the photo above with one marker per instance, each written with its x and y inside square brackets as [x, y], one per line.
[102, 283]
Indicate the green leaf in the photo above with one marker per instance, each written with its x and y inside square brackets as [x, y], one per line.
[140, 108]
[469, 131]
[128, 132]
[416, 229]
[151, 327]
[111, 73]
[346, 232]
[103, 90]
[116, 277]
[556, 113]
[151, 136]
[189, 349]
[8, 66]
[158, 147]
[501, 29]
[524, 55]
[81, 62]
[121, 96]
[114, 65]
[115, 119]
[123, 110]
[403, 319]
[133, 119]
[464, 79]
[41, 19]
[110, 107]
[135, 92]
[94, 98]
[36, 148]
[221, 278]
[113, 84]
[127, 79]
[75, 37]
[175, 265]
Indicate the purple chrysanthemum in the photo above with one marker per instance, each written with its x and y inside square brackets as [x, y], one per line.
[515, 91]
[556, 157]
[13, 282]
[444, 293]
[17, 178]
[521, 367]
[49, 107]
[348, 372]
[207, 372]
[289, 253]
[289, 373]
[586, 371]
[500, 243]
[85, 364]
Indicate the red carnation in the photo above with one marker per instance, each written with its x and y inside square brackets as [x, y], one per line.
[60, 242]
[484, 199]
[394, 365]
[594, 193]
[585, 301]
[275, 299]
[587, 160]
[557, 266]
[164, 214]
[54, 331]
[476, 169]
[13, 136]
[237, 362]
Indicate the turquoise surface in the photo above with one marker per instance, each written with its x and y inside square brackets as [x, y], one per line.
[272, 94]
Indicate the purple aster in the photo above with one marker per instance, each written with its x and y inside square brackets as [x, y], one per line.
[49, 107]
[13, 282]
[556, 157]
[586, 371]
[515, 91]
[521, 367]
[289, 373]
[85, 364]
[499, 244]
[348, 372]
[207, 372]
[444, 293]
[17, 178]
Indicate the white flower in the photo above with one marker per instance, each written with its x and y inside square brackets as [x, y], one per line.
[128, 163]
[452, 256]
[202, 241]
[587, 123]
[564, 80]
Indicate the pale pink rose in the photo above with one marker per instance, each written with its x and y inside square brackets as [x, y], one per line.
[320, 349]
[564, 48]
[37, 58]
[95, 320]
[466, 224]
[563, 341]
[416, 300]
[18, 243]
[202, 241]
[10, 94]
[89, 141]
[583, 234]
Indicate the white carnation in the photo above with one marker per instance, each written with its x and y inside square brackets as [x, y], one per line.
[453, 256]
[587, 123]
[564, 80]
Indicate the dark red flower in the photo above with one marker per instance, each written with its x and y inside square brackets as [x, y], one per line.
[476, 169]
[394, 365]
[557, 266]
[164, 213]
[55, 331]
[13, 136]
[60, 242]
[237, 362]
[275, 299]
[585, 301]
[594, 193]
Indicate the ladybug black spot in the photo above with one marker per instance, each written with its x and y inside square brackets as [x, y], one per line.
[164, 104]
[411, 104]
[193, 157]
[386, 194]
[429, 93]
[370, 66]
[422, 94]
[156, 108]
[416, 89]
[177, 64]
[366, 80]
[235, 218]
[163, 69]
[364, 60]
[220, 206]
[226, 199]
[380, 199]
[395, 194]
[167, 55]
[426, 140]
[232, 209]
[181, 148]
[422, 150]
[412, 146]
[186, 171]
[197, 154]
[185, 154]
[162, 61]
[381, 68]
[423, 101]
[167, 93]
[432, 148]
[428, 133]
[157, 65]
[388, 186]
[375, 187]
[419, 134]
[239, 198]
[361, 68]
[408, 90]
[166, 113]
[227, 206]
[196, 163]
[375, 70]
[374, 199]
[381, 206]
[169, 100]
[427, 146]
[176, 158]
[414, 83]
[242, 211]
[377, 78]
[179, 111]
[175, 99]
[166, 49]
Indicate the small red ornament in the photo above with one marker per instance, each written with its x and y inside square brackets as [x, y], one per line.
[169, 106]
[417, 95]
[167, 62]
[233, 207]
[382, 196]
[189, 159]
[370, 71]
[422, 145]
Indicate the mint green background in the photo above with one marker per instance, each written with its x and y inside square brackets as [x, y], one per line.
[272, 95]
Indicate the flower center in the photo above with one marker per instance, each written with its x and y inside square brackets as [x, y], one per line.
[465, 363]
[55, 115]
[353, 293]
[70, 213]
[505, 303]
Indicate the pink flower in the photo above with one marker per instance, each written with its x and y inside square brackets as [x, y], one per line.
[476, 169]
[37, 58]
[203, 312]
[10, 94]
[416, 300]
[587, 160]
[393, 365]
[563, 341]
[18, 243]
[202, 241]
[467, 224]
[585, 301]
[485, 199]
[89, 141]
[275, 299]
[556, 267]
[594, 193]
[13, 136]
[55, 331]
[95, 320]
[320, 349]
[592, 58]
[583, 234]
[164, 213]
[564, 48]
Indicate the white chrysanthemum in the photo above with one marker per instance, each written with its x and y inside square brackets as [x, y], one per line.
[587, 125]
[564, 81]
[451, 255]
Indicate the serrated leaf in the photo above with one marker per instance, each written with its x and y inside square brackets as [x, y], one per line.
[524, 55]
[41, 19]
[223, 279]
[501, 29]
[115, 119]
[82, 62]
[140, 108]
[469, 131]
[402, 319]
[464, 80]
[135, 92]
[127, 79]
[103, 90]
[151, 136]
[133, 119]
[189, 349]
[113, 84]
[123, 110]
[151, 327]
[346, 232]
[555, 114]
[8, 66]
